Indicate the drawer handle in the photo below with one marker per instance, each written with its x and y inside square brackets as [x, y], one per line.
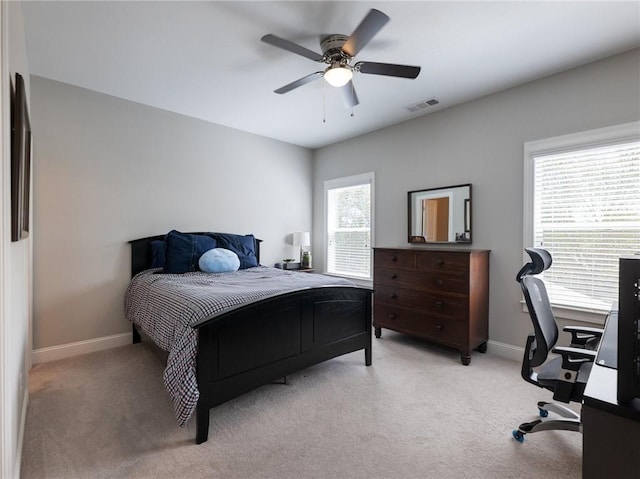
[440, 262]
[393, 296]
[392, 316]
[439, 304]
[394, 258]
[439, 328]
[438, 281]
[394, 276]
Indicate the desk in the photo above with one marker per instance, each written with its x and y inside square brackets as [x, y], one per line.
[611, 431]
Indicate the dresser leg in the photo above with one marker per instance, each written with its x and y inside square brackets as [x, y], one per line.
[482, 348]
[465, 359]
[378, 332]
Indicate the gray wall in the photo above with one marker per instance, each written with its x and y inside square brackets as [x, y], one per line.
[481, 142]
[108, 170]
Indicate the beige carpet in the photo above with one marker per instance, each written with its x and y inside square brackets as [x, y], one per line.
[415, 413]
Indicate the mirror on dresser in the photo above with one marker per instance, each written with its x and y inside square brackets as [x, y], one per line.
[440, 215]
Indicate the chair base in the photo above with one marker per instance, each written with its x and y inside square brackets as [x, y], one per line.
[570, 421]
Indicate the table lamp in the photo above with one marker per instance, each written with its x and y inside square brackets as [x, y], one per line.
[301, 239]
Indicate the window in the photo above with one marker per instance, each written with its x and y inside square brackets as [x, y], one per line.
[582, 204]
[349, 225]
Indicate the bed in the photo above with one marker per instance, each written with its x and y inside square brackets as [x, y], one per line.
[287, 322]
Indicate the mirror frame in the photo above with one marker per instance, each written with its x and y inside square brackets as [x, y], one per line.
[468, 205]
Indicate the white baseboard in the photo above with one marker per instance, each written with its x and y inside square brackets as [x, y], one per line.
[62, 351]
[506, 351]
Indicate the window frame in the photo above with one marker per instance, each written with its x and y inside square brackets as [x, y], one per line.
[343, 182]
[559, 144]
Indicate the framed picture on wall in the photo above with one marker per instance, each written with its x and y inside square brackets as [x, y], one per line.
[20, 161]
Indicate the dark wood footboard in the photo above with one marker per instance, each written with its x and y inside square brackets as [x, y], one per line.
[258, 343]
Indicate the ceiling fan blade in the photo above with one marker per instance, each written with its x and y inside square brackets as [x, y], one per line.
[370, 25]
[302, 81]
[349, 96]
[388, 69]
[291, 47]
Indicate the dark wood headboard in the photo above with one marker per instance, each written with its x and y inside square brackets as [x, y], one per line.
[141, 251]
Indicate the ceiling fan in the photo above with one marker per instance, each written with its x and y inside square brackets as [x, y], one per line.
[338, 51]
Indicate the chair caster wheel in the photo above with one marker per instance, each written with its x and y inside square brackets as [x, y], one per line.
[518, 436]
[543, 412]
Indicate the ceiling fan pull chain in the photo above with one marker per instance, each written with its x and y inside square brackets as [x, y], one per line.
[324, 103]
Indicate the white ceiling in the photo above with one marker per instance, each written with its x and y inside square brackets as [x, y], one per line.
[206, 60]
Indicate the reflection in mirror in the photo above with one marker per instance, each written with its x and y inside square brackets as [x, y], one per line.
[440, 215]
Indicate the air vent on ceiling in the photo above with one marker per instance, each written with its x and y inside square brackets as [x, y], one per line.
[422, 105]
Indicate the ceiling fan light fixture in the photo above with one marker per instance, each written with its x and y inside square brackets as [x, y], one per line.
[338, 75]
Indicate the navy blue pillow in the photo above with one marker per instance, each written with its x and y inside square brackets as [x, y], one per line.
[157, 253]
[243, 246]
[184, 250]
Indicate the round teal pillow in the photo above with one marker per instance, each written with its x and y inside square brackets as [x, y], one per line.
[219, 260]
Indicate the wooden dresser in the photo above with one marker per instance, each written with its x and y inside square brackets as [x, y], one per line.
[438, 294]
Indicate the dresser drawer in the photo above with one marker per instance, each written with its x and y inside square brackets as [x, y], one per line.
[442, 261]
[419, 323]
[445, 305]
[451, 281]
[401, 259]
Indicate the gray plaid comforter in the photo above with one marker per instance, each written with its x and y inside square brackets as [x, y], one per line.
[164, 306]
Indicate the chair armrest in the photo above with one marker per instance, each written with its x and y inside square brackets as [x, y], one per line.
[577, 353]
[581, 335]
[573, 358]
[585, 329]
[575, 361]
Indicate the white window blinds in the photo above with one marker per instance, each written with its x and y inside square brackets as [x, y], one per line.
[349, 230]
[587, 215]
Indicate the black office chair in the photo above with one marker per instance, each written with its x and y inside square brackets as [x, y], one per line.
[565, 375]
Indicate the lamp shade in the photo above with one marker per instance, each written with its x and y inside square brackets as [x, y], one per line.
[337, 75]
[301, 238]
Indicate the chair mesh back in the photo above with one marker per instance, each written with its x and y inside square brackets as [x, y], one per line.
[544, 323]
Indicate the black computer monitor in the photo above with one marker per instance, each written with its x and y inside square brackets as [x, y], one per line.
[629, 329]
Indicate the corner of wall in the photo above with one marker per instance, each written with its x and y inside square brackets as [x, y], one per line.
[15, 261]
